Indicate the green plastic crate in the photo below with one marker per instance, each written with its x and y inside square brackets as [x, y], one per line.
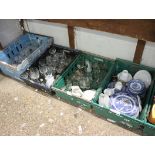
[60, 82]
[114, 117]
[149, 129]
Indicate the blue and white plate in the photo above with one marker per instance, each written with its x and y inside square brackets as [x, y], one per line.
[136, 87]
[125, 104]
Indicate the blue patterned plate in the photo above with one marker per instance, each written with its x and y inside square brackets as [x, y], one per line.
[125, 104]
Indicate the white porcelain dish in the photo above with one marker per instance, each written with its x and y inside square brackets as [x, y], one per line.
[144, 76]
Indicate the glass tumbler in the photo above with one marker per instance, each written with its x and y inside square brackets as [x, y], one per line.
[34, 73]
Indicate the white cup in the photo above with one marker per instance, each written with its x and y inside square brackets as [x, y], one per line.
[104, 100]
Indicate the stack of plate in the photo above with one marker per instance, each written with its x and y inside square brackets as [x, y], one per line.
[126, 104]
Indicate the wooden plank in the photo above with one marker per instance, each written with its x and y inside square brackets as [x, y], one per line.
[139, 51]
[71, 36]
[142, 29]
[21, 22]
[1, 47]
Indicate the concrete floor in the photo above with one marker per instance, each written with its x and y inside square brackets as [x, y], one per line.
[25, 111]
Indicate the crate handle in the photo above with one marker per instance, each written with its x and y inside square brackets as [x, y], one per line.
[98, 59]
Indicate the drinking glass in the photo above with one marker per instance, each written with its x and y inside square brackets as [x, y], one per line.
[42, 62]
[49, 60]
[85, 83]
[34, 73]
[52, 51]
[43, 70]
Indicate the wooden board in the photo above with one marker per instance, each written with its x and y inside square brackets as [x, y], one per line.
[139, 51]
[1, 47]
[71, 36]
[136, 28]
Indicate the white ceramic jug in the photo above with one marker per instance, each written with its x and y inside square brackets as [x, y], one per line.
[104, 100]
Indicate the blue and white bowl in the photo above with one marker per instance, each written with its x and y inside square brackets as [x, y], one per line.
[125, 103]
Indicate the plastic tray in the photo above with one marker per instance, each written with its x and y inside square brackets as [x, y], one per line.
[37, 44]
[73, 53]
[60, 83]
[149, 129]
[128, 122]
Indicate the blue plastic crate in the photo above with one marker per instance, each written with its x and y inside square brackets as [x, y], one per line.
[20, 54]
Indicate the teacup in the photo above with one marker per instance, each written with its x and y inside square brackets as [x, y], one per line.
[124, 76]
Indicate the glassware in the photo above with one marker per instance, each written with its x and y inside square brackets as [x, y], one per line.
[42, 62]
[51, 70]
[52, 51]
[34, 73]
[54, 63]
[64, 54]
[68, 84]
[60, 69]
[49, 60]
[25, 75]
[88, 66]
[43, 70]
[84, 83]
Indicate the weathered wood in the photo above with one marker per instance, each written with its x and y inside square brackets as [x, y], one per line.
[21, 22]
[71, 36]
[1, 47]
[142, 29]
[139, 51]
